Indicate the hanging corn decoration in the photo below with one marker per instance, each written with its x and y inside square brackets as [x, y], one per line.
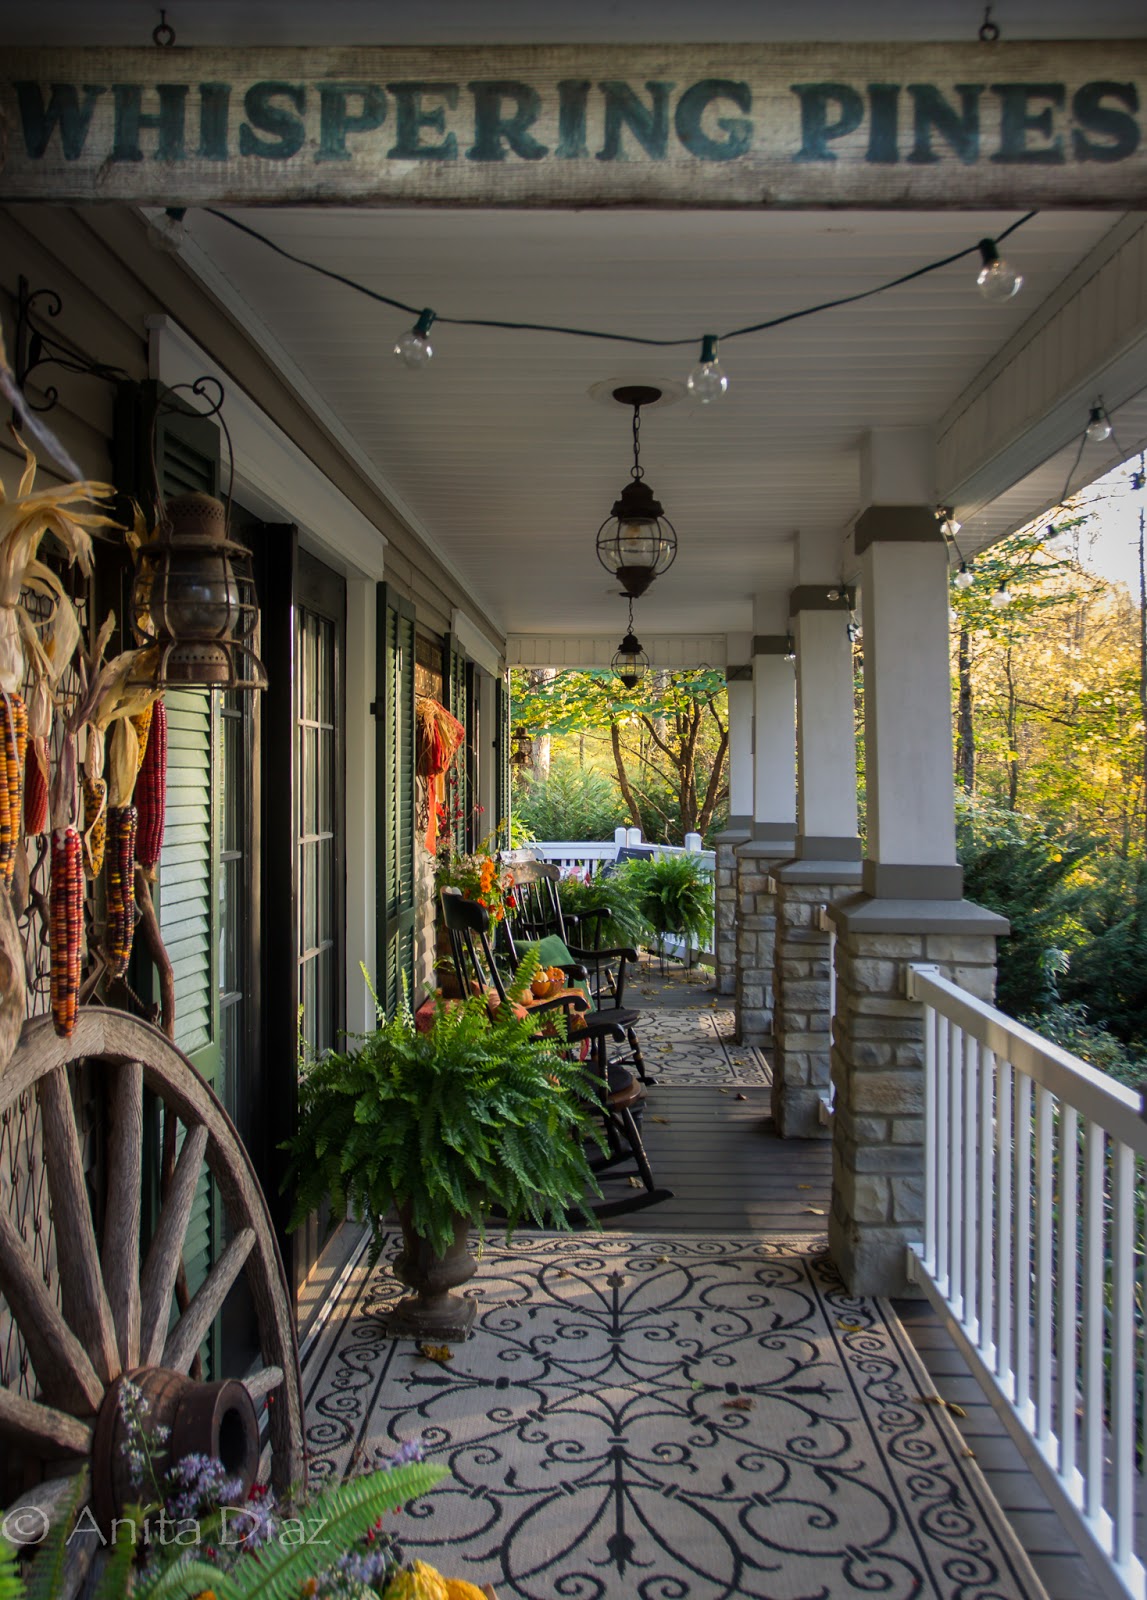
[95, 824]
[120, 887]
[151, 792]
[142, 722]
[35, 791]
[66, 895]
[15, 741]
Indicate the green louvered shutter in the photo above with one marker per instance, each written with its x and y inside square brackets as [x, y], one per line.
[394, 721]
[457, 680]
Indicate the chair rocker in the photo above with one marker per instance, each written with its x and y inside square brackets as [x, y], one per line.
[620, 1095]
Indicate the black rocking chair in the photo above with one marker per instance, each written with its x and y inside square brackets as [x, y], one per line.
[468, 925]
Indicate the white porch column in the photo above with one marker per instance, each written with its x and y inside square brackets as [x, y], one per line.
[774, 816]
[910, 907]
[739, 679]
[827, 862]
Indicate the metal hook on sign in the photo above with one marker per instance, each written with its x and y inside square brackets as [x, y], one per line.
[989, 30]
[163, 34]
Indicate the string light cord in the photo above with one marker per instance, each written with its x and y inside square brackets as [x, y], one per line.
[597, 333]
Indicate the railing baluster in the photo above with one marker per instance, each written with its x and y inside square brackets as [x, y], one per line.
[1093, 1320]
[987, 1206]
[956, 1170]
[1067, 1287]
[943, 1151]
[1123, 1348]
[931, 1136]
[1005, 1104]
[971, 1183]
[1023, 1228]
[1044, 1264]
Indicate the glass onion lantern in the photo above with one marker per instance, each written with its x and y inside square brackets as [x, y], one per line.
[523, 746]
[630, 662]
[637, 541]
[193, 599]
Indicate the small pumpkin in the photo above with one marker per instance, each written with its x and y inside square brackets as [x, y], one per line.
[417, 1582]
[459, 1589]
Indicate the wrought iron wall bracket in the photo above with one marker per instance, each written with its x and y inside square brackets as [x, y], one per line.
[37, 347]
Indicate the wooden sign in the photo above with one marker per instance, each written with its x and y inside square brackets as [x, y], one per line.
[874, 125]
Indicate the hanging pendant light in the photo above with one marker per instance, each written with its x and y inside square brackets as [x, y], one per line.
[630, 662]
[637, 541]
[523, 748]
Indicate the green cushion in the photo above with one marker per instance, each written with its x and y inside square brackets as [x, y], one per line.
[554, 952]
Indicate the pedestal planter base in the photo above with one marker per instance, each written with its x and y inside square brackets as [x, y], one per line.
[432, 1312]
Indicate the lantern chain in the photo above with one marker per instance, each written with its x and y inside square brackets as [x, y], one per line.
[637, 471]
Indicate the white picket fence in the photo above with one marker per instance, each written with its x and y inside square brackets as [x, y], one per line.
[1034, 1249]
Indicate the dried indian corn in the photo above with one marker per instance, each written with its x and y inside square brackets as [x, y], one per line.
[150, 791]
[95, 824]
[120, 887]
[141, 722]
[35, 792]
[67, 914]
[15, 741]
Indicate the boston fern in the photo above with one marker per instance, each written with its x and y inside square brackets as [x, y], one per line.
[478, 1112]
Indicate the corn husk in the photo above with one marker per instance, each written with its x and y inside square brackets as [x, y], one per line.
[23, 523]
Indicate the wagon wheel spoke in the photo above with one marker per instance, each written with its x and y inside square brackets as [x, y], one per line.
[260, 1384]
[121, 1222]
[43, 1429]
[62, 1368]
[41, 1510]
[84, 1301]
[190, 1331]
[159, 1271]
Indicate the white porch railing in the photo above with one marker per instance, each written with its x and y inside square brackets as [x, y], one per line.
[1035, 1170]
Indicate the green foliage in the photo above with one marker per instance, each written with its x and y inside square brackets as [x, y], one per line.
[11, 1587]
[674, 895]
[615, 895]
[476, 1112]
[1070, 1027]
[1108, 966]
[574, 803]
[1021, 867]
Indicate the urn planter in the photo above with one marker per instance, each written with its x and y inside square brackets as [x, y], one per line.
[432, 1312]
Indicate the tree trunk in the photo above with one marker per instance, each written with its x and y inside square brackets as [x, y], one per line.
[1013, 730]
[1143, 653]
[965, 718]
[622, 775]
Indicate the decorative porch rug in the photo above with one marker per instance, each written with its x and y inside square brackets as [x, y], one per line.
[670, 1419]
[693, 1045]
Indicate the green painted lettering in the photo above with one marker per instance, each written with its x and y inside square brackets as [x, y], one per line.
[1120, 129]
[411, 116]
[63, 108]
[648, 124]
[816, 128]
[883, 124]
[494, 132]
[572, 96]
[696, 101]
[1017, 120]
[335, 122]
[960, 128]
[214, 106]
[267, 117]
[131, 120]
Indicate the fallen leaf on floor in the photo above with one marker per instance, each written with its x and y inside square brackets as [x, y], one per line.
[664, 1121]
[722, 1091]
[740, 1402]
[957, 1411]
[661, 1260]
[564, 1272]
[697, 1384]
[436, 1352]
[804, 1185]
[850, 1327]
[814, 1211]
[742, 1097]
[636, 1183]
[615, 1280]
[932, 1399]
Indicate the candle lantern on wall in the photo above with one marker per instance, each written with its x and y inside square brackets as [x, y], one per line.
[193, 598]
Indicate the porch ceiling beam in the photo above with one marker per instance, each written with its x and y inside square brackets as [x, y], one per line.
[597, 650]
[1032, 400]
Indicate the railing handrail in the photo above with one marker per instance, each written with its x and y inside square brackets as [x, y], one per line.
[1094, 1094]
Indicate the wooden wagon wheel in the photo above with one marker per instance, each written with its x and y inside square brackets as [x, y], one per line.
[114, 1316]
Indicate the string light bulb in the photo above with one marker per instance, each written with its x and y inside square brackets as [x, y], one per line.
[1098, 425]
[790, 648]
[414, 348]
[1002, 597]
[965, 578]
[708, 380]
[949, 527]
[168, 231]
[998, 281]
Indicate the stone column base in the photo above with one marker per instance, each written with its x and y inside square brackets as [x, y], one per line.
[725, 897]
[877, 1071]
[802, 992]
[756, 937]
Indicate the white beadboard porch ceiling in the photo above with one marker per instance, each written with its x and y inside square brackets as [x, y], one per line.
[504, 460]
